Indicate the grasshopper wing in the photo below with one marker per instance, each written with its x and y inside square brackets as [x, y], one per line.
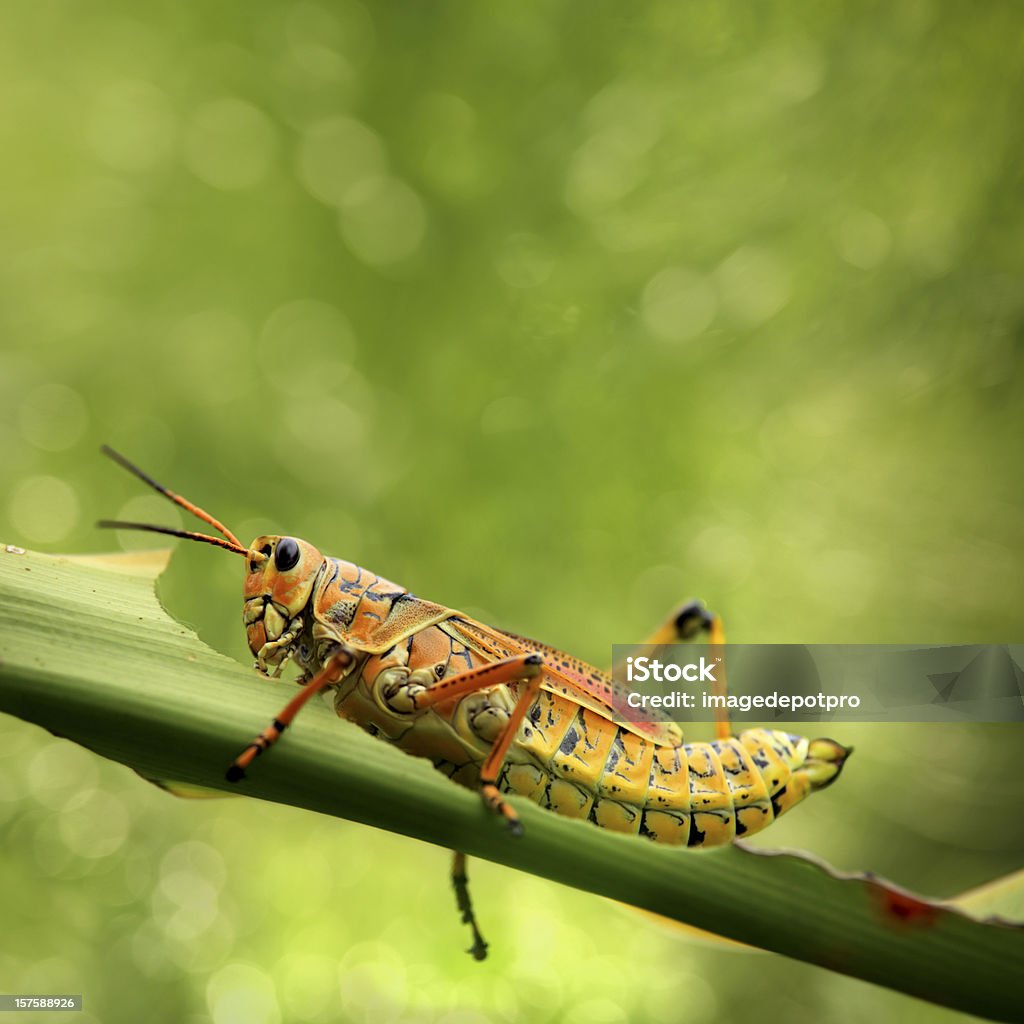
[566, 675]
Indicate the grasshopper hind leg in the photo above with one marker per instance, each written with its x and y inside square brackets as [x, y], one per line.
[686, 623]
[460, 882]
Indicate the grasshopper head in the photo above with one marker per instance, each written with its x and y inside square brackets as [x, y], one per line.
[280, 578]
[278, 583]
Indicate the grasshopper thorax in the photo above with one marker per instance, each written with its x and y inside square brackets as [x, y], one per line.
[280, 575]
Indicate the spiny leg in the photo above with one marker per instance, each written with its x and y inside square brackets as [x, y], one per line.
[684, 624]
[521, 667]
[460, 882]
[329, 674]
[491, 768]
[495, 673]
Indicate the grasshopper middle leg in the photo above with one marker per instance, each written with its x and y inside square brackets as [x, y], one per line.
[460, 883]
[525, 667]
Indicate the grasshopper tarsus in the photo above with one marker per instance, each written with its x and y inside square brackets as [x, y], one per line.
[236, 770]
[460, 881]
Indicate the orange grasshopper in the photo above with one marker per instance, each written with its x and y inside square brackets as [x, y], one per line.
[499, 712]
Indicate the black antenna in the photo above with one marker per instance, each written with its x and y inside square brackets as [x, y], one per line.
[232, 543]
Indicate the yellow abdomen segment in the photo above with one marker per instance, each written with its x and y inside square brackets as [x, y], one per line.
[575, 762]
[572, 760]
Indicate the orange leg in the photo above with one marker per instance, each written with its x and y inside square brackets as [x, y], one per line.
[491, 768]
[329, 674]
[522, 666]
[508, 670]
[684, 624]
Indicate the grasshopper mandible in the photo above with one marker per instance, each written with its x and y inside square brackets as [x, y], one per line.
[499, 712]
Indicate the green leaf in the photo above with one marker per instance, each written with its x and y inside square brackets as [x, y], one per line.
[1003, 897]
[87, 651]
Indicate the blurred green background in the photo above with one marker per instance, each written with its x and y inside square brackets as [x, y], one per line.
[557, 313]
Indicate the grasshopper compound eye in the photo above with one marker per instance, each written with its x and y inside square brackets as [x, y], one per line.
[287, 554]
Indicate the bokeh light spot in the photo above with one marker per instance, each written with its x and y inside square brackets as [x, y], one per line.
[94, 826]
[629, 111]
[793, 71]
[863, 239]
[339, 426]
[307, 984]
[929, 230]
[452, 150]
[753, 285]
[131, 126]
[230, 144]
[597, 1011]
[184, 904]
[242, 994]
[336, 154]
[149, 951]
[679, 988]
[44, 509]
[50, 854]
[677, 304]
[463, 1016]
[372, 982]
[52, 974]
[305, 333]
[603, 170]
[382, 221]
[195, 856]
[311, 71]
[60, 772]
[53, 417]
[147, 508]
[344, 25]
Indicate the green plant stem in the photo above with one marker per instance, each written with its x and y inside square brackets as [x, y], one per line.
[88, 652]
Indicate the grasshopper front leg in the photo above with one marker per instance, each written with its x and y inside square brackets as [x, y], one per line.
[338, 666]
[274, 653]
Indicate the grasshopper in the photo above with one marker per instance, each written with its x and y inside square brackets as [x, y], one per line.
[498, 712]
